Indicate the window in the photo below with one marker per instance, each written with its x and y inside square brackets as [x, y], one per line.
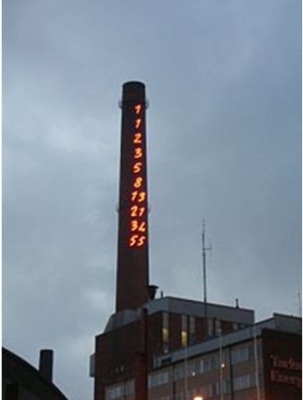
[244, 381]
[130, 387]
[210, 330]
[209, 389]
[183, 338]
[242, 353]
[184, 331]
[118, 390]
[210, 363]
[179, 372]
[192, 330]
[217, 327]
[235, 326]
[226, 386]
[192, 368]
[158, 378]
[202, 366]
[165, 332]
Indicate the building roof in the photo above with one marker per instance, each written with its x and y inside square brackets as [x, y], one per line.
[177, 305]
[16, 370]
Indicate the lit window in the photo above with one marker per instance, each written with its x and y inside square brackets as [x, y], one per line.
[184, 331]
[183, 338]
[165, 332]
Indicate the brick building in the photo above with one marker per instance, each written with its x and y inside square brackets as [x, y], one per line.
[170, 348]
[230, 360]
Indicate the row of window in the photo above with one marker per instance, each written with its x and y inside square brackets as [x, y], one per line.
[212, 389]
[239, 383]
[244, 381]
[164, 398]
[197, 367]
[241, 353]
[213, 362]
[120, 390]
[158, 378]
[188, 329]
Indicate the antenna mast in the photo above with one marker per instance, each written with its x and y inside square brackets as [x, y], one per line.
[204, 249]
[299, 280]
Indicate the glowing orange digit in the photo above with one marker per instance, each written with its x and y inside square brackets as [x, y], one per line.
[134, 225]
[137, 167]
[141, 211]
[134, 211]
[137, 123]
[134, 195]
[138, 182]
[141, 197]
[138, 137]
[138, 108]
[133, 240]
[138, 196]
[141, 241]
[138, 152]
[142, 227]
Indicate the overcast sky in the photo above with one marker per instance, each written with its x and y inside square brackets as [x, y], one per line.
[223, 78]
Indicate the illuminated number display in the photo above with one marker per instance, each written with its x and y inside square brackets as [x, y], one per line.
[137, 137]
[138, 196]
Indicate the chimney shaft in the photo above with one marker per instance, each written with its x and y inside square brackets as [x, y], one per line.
[132, 262]
[46, 364]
